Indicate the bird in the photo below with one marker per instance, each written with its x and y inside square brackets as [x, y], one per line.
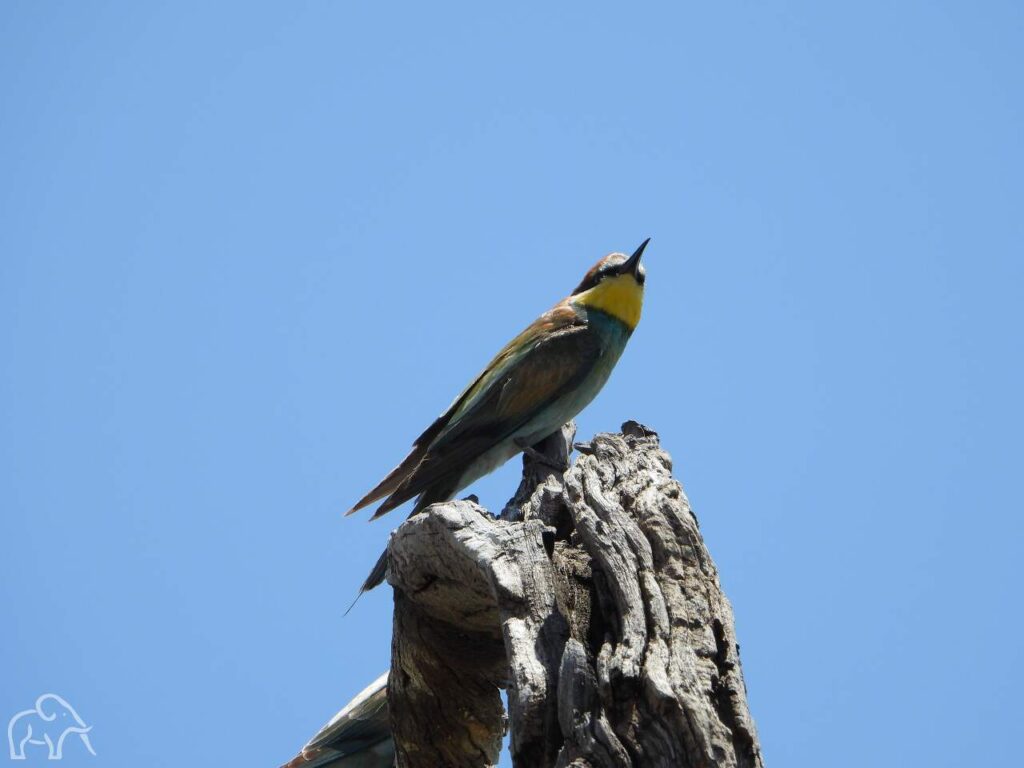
[359, 736]
[539, 381]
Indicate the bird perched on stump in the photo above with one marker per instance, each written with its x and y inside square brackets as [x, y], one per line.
[536, 383]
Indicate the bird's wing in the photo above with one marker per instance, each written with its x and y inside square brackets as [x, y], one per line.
[360, 734]
[400, 473]
[561, 317]
[535, 369]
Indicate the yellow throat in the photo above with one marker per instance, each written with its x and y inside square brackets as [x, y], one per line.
[622, 297]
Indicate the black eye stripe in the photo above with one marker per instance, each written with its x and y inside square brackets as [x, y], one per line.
[598, 273]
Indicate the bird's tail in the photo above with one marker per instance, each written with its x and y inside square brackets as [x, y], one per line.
[376, 578]
[395, 478]
[439, 492]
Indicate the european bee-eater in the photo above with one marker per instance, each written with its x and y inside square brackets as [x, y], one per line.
[359, 736]
[539, 381]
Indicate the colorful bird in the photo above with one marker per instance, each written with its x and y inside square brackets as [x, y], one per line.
[359, 736]
[540, 380]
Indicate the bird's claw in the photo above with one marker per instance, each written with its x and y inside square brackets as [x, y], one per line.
[539, 457]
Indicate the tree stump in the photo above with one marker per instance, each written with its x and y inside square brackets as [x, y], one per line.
[592, 600]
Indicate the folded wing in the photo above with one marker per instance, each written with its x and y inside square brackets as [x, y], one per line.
[537, 370]
[531, 371]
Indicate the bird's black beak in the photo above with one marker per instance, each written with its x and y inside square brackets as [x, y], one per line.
[631, 266]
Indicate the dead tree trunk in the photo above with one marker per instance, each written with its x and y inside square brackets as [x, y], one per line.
[592, 600]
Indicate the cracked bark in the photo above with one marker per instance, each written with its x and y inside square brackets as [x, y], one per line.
[592, 600]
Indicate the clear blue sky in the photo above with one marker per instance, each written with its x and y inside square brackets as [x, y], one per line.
[249, 251]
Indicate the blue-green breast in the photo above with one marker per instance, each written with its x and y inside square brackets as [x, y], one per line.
[613, 334]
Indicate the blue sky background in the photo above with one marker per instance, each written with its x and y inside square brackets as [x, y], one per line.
[250, 250]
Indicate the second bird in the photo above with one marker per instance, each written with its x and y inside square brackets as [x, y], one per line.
[540, 380]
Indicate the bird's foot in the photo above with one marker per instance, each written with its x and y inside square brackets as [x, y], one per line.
[539, 457]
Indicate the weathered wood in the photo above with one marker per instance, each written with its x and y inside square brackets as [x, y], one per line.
[430, 659]
[593, 602]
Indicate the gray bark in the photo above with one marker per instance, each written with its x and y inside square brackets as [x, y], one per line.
[592, 600]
